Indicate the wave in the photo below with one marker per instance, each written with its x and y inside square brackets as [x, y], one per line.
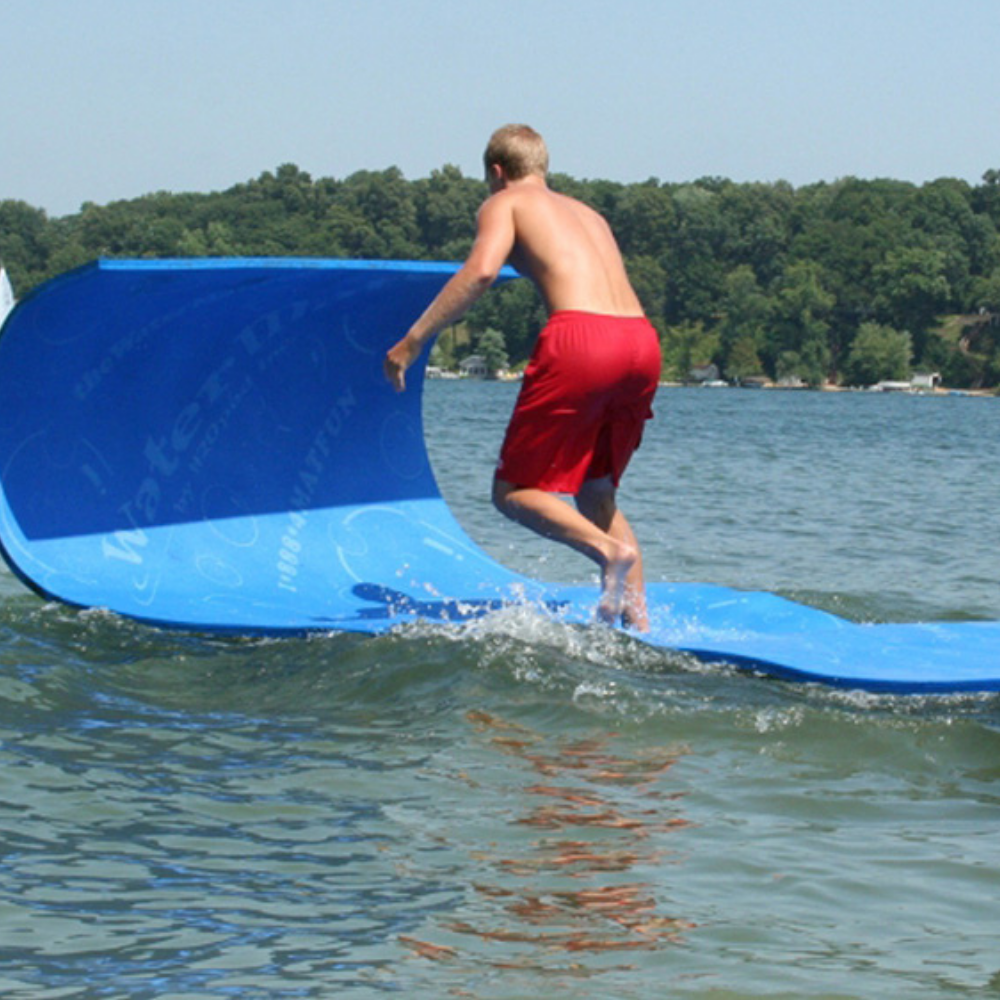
[66, 661]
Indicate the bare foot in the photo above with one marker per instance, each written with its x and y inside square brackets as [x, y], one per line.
[634, 612]
[611, 606]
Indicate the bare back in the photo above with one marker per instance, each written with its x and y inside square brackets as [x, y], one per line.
[568, 250]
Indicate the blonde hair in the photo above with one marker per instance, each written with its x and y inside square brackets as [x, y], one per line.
[519, 150]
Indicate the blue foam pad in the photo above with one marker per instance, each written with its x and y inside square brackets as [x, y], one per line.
[211, 444]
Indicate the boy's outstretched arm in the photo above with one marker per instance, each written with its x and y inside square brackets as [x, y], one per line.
[494, 242]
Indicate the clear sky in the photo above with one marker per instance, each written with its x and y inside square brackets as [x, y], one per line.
[109, 99]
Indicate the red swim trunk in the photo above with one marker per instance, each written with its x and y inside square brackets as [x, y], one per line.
[586, 395]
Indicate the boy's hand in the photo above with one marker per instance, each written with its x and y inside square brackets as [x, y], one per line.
[398, 358]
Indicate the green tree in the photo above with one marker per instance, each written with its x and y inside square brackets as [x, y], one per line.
[913, 291]
[686, 345]
[941, 213]
[649, 280]
[491, 345]
[25, 243]
[986, 197]
[746, 316]
[385, 201]
[514, 308]
[788, 367]
[759, 224]
[446, 205]
[643, 218]
[742, 360]
[986, 293]
[693, 249]
[846, 229]
[443, 350]
[800, 324]
[879, 353]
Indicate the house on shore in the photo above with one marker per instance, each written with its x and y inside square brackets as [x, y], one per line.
[707, 374]
[926, 380]
[474, 366]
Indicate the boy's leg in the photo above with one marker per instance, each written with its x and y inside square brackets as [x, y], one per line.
[596, 500]
[547, 515]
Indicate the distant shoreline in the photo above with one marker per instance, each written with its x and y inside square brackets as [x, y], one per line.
[437, 375]
[867, 391]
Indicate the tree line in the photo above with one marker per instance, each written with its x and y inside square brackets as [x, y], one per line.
[852, 281]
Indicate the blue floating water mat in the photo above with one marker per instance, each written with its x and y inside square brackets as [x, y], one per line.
[210, 444]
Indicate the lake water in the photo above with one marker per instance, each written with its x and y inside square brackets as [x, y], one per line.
[515, 808]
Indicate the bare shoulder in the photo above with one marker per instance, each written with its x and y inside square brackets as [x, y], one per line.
[497, 212]
[580, 208]
[493, 204]
[541, 202]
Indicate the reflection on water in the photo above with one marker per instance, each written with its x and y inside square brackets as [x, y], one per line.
[584, 836]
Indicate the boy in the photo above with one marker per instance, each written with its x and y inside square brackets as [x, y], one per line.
[589, 386]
